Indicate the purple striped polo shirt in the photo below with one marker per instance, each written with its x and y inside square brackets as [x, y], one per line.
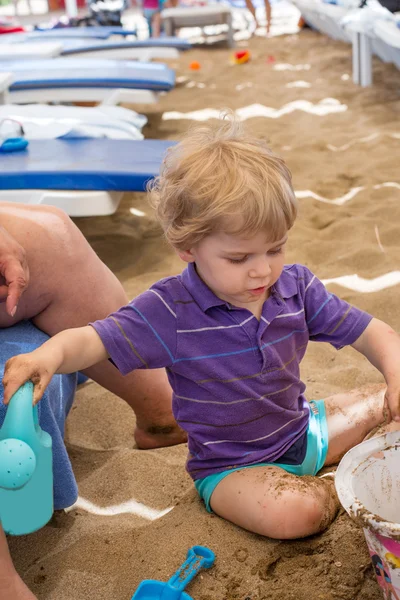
[236, 380]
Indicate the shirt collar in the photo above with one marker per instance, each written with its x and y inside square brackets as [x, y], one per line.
[201, 293]
[286, 286]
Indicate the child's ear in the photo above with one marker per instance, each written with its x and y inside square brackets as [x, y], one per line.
[186, 255]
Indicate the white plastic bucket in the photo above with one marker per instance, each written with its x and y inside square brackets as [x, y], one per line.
[368, 485]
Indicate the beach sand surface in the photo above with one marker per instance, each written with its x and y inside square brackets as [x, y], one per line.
[350, 152]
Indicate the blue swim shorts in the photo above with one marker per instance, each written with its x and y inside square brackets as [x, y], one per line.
[314, 460]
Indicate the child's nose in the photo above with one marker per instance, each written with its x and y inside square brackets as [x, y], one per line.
[261, 268]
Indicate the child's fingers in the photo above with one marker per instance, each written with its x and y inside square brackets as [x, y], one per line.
[392, 406]
[386, 410]
[19, 370]
[12, 382]
[40, 386]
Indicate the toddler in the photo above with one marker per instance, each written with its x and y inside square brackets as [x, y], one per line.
[231, 330]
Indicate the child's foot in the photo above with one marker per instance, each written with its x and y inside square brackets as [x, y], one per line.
[15, 589]
[159, 437]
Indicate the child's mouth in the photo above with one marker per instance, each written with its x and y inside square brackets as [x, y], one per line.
[258, 291]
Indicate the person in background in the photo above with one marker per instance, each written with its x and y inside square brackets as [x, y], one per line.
[250, 6]
[152, 13]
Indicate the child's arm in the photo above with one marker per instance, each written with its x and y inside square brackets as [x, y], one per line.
[381, 345]
[69, 351]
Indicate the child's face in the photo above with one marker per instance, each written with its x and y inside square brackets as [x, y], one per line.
[238, 270]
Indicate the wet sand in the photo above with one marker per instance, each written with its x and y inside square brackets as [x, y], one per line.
[345, 171]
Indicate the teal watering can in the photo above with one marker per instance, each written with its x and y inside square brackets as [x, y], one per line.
[26, 467]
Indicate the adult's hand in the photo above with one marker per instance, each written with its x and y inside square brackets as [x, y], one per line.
[14, 271]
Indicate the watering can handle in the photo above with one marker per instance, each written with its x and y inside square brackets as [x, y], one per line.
[21, 417]
[197, 557]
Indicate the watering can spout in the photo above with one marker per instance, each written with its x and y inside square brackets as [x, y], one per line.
[26, 472]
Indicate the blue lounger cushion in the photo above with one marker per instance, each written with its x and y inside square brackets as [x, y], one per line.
[101, 32]
[73, 72]
[74, 46]
[53, 408]
[83, 164]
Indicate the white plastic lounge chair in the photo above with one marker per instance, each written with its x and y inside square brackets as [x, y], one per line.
[29, 51]
[80, 80]
[373, 30]
[84, 177]
[330, 17]
[309, 12]
[41, 121]
[388, 35]
[167, 48]
[5, 82]
[94, 50]
[114, 48]
[325, 18]
[198, 16]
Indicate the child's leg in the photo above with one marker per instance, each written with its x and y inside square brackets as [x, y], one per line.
[11, 585]
[271, 502]
[351, 416]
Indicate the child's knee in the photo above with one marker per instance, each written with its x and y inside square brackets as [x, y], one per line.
[300, 513]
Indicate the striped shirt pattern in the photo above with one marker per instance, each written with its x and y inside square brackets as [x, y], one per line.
[236, 380]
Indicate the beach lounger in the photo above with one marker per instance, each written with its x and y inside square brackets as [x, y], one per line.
[388, 37]
[84, 177]
[309, 12]
[330, 19]
[102, 33]
[145, 50]
[43, 121]
[29, 51]
[167, 47]
[114, 48]
[81, 80]
[114, 51]
[374, 32]
[5, 82]
[198, 16]
[325, 18]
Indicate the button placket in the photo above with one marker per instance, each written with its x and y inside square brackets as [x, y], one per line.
[272, 308]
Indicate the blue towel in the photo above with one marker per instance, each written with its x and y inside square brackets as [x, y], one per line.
[53, 408]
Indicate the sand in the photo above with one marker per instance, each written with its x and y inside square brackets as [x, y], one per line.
[84, 555]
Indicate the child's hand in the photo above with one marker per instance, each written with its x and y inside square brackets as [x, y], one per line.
[27, 367]
[391, 408]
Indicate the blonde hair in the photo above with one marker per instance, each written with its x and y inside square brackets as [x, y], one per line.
[222, 180]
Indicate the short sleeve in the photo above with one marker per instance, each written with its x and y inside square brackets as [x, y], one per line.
[330, 319]
[142, 334]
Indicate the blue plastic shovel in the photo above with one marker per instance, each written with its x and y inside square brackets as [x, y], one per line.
[151, 589]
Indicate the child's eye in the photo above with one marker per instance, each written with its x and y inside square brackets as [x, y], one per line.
[275, 252]
[237, 261]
